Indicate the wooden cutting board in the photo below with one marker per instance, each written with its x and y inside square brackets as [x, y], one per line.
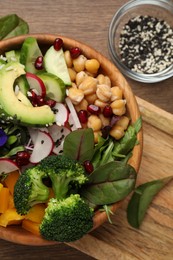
[154, 239]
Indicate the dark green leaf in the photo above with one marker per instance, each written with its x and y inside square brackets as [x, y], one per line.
[138, 124]
[21, 28]
[79, 145]
[109, 183]
[141, 199]
[7, 24]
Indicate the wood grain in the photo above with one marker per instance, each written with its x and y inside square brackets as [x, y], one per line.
[88, 21]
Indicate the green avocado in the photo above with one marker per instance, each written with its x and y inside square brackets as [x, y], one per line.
[13, 107]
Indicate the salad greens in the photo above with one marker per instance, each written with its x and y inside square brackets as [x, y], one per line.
[12, 25]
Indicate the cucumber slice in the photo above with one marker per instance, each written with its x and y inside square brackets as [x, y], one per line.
[54, 62]
[23, 84]
[29, 53]
[55, 87]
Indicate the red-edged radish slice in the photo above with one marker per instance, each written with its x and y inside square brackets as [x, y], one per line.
[42, 148]
[7, 165]
[36, 84]
[61, 114]
[58, 134]
[74, 116]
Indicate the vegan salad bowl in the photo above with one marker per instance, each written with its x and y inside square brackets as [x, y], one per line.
[70, 139]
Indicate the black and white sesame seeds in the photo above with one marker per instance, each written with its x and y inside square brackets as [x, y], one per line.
[146, 44]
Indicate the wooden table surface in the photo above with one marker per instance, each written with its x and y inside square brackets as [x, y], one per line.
[86, 21]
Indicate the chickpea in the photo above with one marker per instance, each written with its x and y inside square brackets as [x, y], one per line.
[103, 92]
[79, 63]
[82, 105]
[117, 93]
[76, 95]
[91, 98]
[104, 80]
[124, 122]
[92, 65]
[117, 132]
[100, 103]
[68, 59]
[72, 74]
[88, 85]
[105, 120]
[80, 76]
[94, 122]
[118, 107]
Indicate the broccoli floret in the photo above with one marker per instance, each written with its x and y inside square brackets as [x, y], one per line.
[30, 190]
[66, 174]
[66, 220]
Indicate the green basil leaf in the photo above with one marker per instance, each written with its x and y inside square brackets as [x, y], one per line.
[109, 183]
[21, 28]
[7, 24]
[141, 199]
[79, 145]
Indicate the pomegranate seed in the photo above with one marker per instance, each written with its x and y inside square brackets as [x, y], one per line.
[93, 109]
[105, 131]
[40, 101]
[32, 95]
[22, 158]
[50, 102]
[83, 116]
[58, 43]
[39, 63]
[107, 111]
[88, 166]
[75, 52]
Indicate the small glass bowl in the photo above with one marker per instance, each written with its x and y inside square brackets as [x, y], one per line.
[161, 9]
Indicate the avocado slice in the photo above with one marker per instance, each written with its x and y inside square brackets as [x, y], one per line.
[54, 62]
[16, 109]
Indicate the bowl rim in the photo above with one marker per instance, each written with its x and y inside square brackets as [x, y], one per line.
[145, 78]
[15, 233]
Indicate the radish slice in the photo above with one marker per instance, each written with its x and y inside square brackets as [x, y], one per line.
[42, 148]
[74, 116]
[36, 83]
[58, 134]
[61, 114]
[7, 165]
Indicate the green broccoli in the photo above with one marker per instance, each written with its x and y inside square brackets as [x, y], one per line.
[66, 174]
[30, 190]
[66, 220]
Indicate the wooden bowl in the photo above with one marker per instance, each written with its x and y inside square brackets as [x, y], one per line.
[15, 233]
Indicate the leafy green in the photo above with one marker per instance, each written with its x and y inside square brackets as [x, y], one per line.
[79, 145]
[12, 25]
[141, 199]
[126, 144]
[109, 183]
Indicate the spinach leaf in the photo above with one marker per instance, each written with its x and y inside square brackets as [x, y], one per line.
[12, 25]
[79, 145]
[126, 144]
[141, 199]
[109, 183]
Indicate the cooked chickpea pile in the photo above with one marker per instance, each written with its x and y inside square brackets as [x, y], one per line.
[91, 88]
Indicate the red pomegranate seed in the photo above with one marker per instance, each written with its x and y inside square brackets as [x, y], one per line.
[105, 131]
[22, 158]
[88, 166]
[107, 111]
[50, 102]
[39, 63]
[93, 109]
[32, 96]
[58, 43]
[83, 116]
[75, 52]
[40, 100]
